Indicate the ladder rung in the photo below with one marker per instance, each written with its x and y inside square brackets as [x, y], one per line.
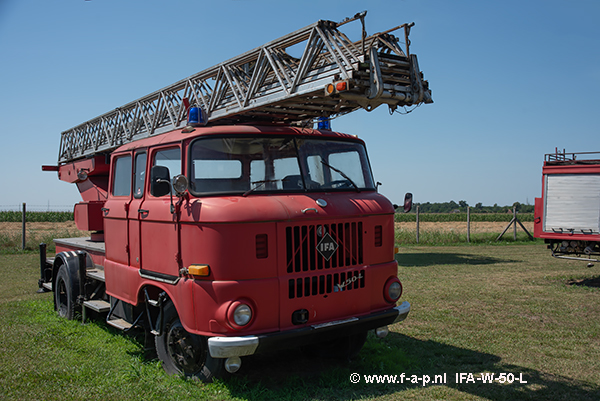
[97, 305]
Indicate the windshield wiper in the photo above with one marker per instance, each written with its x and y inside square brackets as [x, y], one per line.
[340, 172]
[258, 185]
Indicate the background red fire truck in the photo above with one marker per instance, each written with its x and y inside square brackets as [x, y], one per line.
[567, 216]
[223, 224]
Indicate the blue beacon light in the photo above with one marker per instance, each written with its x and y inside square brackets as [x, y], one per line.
[324, 123]
[196, 116]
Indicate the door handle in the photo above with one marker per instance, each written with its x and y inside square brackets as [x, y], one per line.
[143, 211]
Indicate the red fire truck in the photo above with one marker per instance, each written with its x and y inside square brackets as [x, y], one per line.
[567, 216]
[222, 223]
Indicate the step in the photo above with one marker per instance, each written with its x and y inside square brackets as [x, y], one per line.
[96, 274]
[47, 286]
[119, 324]
[98, 305]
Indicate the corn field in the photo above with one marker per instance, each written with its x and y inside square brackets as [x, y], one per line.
[445, 217]
[54, 217]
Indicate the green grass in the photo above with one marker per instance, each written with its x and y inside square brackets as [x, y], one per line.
[406, 237]
[11, 243]
[475, 309]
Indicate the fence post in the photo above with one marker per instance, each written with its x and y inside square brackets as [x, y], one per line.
[515, 220]
[468, 223]
[417, 224]
[23, 223]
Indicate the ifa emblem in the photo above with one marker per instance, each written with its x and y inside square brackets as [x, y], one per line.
[327, 246]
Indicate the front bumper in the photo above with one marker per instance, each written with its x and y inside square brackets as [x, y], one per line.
[225, 347]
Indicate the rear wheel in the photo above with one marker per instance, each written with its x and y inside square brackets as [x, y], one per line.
[64, 294]
[185, 353]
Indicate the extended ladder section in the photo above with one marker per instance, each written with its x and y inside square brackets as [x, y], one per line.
[267, 85]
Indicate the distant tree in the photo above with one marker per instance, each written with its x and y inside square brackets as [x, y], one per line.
[452, 206]
[527, 208]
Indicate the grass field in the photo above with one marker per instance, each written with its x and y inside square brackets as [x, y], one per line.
[475, 309]
[36, 232]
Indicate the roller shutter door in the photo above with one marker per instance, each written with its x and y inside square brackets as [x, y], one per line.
[572, 203]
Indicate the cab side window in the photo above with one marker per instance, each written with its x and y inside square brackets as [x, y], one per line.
[170, 158]
[122, 176]
[139, 175]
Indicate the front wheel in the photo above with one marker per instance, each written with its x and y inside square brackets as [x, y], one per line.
[184, 353]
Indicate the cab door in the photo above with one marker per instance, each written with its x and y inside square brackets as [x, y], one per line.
[136, 211]
[159, 229]
[116, 209]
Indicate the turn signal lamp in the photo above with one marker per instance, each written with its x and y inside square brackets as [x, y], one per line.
[337, 87]
[199, 270]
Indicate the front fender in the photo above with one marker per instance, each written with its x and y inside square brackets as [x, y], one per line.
[70, 260]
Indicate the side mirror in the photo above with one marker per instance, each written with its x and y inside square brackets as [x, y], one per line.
[160, 181]
[407, 202]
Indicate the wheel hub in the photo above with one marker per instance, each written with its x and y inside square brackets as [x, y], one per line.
[184, 349]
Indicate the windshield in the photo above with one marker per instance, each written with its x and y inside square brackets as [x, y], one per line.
[247, 165]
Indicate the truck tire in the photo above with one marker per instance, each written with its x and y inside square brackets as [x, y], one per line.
[184, 353]
[64, 294]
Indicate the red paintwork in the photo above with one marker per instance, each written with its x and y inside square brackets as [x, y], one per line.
[221, 232]
[538, 212]
[93, 190]
[95, 187]
[88, 216]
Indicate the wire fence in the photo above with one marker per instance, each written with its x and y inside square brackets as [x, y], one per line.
[37, 208]
[513, 219]
[23, 213]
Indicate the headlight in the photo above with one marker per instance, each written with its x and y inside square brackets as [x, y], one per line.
[392, 290]
[395, 290]
[242, 314]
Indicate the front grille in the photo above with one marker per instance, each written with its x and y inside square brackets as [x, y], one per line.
[326, 283]
[301, 246]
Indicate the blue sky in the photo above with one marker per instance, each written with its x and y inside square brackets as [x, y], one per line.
[511, 81]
